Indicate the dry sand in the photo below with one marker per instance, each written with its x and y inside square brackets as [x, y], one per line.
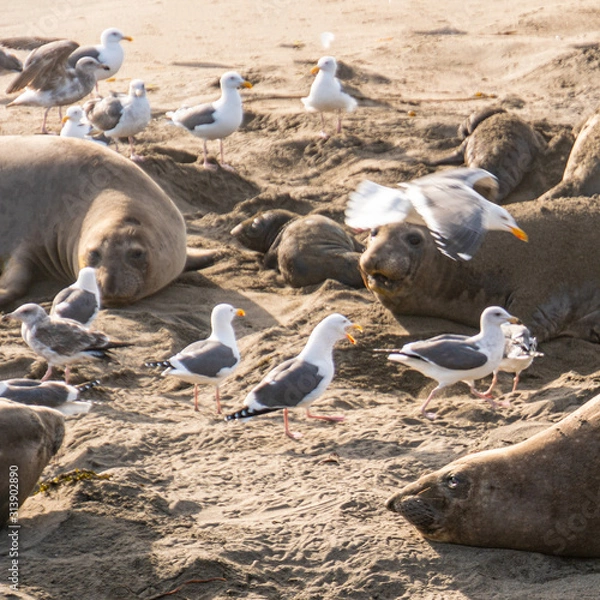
[192, 498]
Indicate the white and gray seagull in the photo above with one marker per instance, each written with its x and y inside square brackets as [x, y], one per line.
[80, 301]
[452, 358]
[301, 380]
[216, 120]
[451, 204]
[210, 360]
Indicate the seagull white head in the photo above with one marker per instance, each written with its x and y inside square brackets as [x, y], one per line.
[74, 113]
[327, 64]
[334, 328]
[225, 313]
[86, 280]
[233, 80]
[137, 88]
[495, 316]
[500, 219]
[113, 36]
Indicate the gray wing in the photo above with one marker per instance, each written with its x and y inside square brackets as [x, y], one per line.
[74, 303]
[26, 42]
[287, 385]
[9, 62]
[372, 205]
[453, 213]
[195, 116]
[207, 358]
[104, 114]
[44, 66]
[69, 338]
[27, 391]
[449, 352]
[81, 53]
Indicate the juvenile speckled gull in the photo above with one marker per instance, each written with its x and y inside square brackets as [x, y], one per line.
[60, 342]
[120, 115]
[80, 301]
[447, 203]
[452, 358]
[217, 119]
[210, 360]
[326, 93]
[55, 394]
[301, 380]
[50, 81]
[520, 349]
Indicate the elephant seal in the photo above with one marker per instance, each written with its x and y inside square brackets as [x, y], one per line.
[66, 204]
[540, 495]
[500, 143]
[552, 284]
[582, 171]
[29, 437]
[305, 250]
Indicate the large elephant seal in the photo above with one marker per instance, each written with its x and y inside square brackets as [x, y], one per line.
[552, 283]
[541, 495]
[66, 204]
[29, 437]
[499, 142]
[582, 171]
[305, 250]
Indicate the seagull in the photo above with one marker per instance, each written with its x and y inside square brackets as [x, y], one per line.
[215, 120]
[54, 394]
[449, 203]
[301, 380]
[80, 301]
[60, 341]
[452, 358]
[74, 124]
[210, 360]
[326, 94]
[109, 52]
[49, 81]
[121, 115]
[520, 348]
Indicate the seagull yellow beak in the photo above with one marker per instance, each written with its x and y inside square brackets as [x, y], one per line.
[314, 70]
[65, 119]
[353, 326]
[240, 313]
[519, 233]
[128, 38]
[515, 320]
[246, 84]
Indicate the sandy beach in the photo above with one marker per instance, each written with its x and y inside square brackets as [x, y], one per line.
[239, 510]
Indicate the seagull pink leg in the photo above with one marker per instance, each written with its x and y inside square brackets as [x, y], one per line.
[224, 165]
[132, 155]
[488, 397]
[488, 392]
[324, 417]
[339, 122]
[429, 415]
[196, 397]
[294, 435]
[323, 133]
[515, 382]
[48, 373]
[207, 165]
[44, 130]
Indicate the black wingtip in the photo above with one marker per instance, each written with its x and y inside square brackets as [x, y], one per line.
[248, 413]
[163, 364]
[82, 387]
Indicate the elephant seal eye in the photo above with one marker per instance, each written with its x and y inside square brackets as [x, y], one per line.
[452, 481]
[414, 239]
[374, 232]
[93, 258]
